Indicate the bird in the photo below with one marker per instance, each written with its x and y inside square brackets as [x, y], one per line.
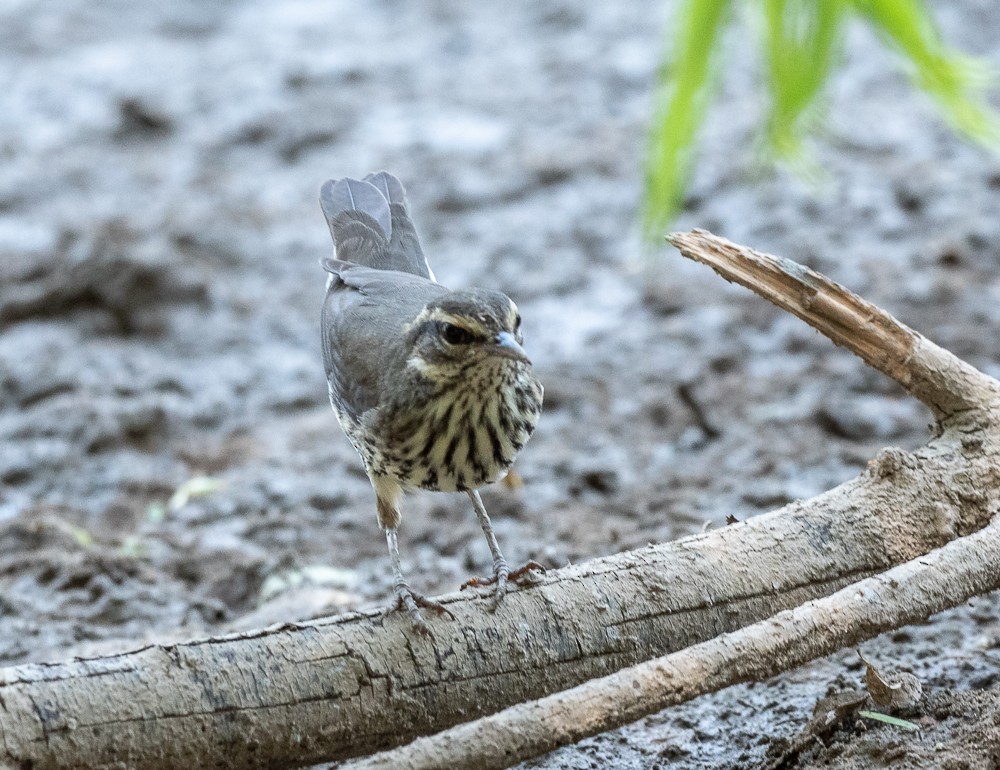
[432, 386]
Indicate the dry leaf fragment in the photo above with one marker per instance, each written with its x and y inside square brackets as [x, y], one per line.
[896, 690]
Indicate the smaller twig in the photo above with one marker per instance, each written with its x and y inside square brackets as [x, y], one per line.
[908, 593]
[938, 378]
[700, 418]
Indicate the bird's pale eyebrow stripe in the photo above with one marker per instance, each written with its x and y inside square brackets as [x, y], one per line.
[469, 323]
[437, 315]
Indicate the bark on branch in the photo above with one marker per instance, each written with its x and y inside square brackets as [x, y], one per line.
[906, 594]
[931, 374]
[347, 686]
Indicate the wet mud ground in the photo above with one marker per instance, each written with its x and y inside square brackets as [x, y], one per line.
[159, 303]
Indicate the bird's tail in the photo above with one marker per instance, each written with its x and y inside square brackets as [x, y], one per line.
[370, 224]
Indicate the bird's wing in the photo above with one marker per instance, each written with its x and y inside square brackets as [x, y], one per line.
[370, 224]
[363, 330]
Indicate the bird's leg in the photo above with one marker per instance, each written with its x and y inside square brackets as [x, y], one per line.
[406, 597]
[501, 571]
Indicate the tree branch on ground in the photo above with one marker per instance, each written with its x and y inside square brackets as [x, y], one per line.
[905, 594]
[800, 582]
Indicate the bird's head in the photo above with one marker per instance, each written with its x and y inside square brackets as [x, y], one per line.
[463, 330]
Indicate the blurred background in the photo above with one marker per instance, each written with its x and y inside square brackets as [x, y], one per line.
[169, 463]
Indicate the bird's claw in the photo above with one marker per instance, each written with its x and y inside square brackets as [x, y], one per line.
[502, 575]
[409, 600]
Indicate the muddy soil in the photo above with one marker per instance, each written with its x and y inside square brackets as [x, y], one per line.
[159, 300]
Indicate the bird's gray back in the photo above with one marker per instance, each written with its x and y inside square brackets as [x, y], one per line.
[379, 281]
[363, 331]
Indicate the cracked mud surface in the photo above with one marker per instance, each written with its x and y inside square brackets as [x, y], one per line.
[159, 303]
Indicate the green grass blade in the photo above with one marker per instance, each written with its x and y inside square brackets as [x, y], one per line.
[682, 96]
[802, 41]
[953, 80]
[894, 721]
[801, 38]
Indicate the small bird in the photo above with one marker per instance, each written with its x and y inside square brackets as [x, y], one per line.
[432, 386]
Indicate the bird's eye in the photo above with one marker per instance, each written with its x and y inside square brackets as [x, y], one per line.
[517, 322]
[455, 335]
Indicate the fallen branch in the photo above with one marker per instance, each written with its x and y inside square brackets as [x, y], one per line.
[931, 374]
[348, 686]
[343, 687]
[906, 594]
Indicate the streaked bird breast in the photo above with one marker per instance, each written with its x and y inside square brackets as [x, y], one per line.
[463, 435]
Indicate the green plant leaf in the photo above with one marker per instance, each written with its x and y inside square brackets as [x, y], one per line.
[800, 41]
[894, 721]
[196, 486]
[952, 79]
[82, 536]
[683, 91]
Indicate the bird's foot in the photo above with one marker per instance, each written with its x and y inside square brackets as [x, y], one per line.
[409, 600]
[502, 575]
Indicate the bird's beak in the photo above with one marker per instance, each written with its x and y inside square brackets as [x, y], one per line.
[508, 347]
